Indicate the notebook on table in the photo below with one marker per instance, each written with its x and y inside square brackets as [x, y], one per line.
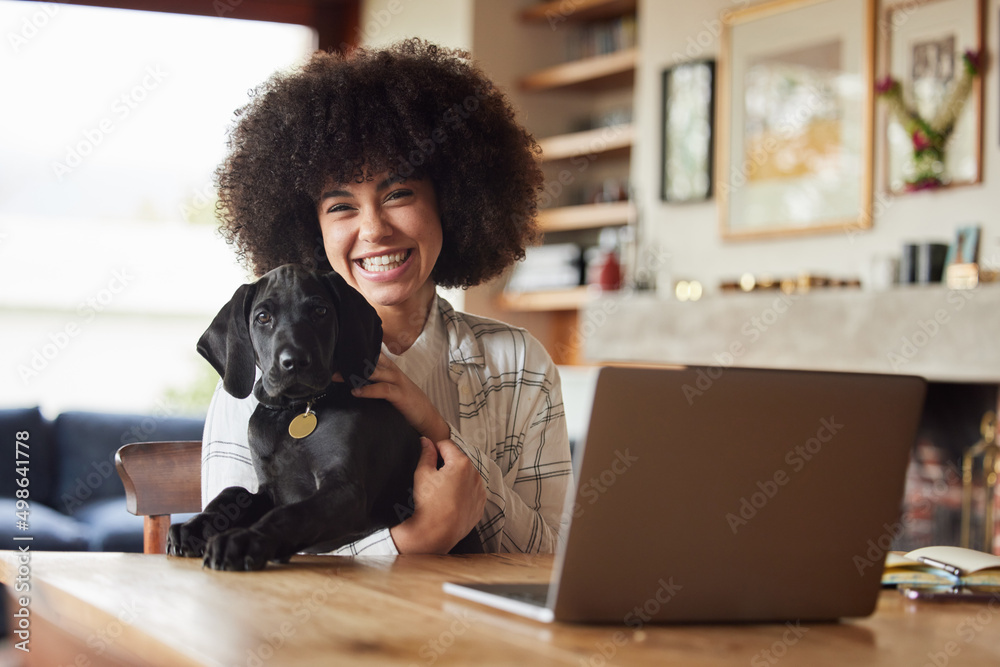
[740, 495]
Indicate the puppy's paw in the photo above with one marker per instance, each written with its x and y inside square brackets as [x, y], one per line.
[190, 538]
[239, 549]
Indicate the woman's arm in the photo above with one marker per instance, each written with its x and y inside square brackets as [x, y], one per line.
[448, 501]
[527, 479]
[389, 382]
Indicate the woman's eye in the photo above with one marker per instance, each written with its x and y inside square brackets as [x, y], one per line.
[263, 318]
[337, 208]
[399, 194]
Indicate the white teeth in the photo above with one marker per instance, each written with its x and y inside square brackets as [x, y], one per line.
[383, 262]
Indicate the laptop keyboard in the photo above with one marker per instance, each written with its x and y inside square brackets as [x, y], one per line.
[536, 594]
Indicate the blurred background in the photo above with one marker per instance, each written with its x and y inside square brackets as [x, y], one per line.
[112, 124]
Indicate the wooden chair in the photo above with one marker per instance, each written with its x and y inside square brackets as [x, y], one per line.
[160, 478]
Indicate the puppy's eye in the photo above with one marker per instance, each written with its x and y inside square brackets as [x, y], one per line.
[320, 311]
[263, 318]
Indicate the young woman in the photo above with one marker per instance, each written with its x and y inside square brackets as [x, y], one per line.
[403, 169]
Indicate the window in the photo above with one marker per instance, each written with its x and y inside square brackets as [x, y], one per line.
[111, 267]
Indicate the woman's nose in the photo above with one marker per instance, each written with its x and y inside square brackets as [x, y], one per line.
[374, 227]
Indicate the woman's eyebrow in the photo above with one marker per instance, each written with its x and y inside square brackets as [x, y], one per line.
[335, 193]
[391, 180]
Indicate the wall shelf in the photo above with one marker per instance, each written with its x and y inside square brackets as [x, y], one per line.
[557, 11]
[610, 141]
[605, 72]
[587, 216]
[557, 97]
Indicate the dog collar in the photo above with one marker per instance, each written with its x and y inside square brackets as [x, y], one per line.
[302, 424]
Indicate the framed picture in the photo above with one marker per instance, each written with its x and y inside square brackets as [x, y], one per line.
[965, 249]
[797, 113]
[962, 263]
[925, 41]
[688, 118]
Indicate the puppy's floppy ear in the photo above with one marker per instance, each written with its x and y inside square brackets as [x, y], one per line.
[359, 341]
[226, 344]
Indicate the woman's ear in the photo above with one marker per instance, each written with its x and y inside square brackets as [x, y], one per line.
[359, 341]
[226, 344]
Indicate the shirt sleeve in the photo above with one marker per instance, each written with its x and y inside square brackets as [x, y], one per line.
[378, 543]
[528, 478]
[225, 448]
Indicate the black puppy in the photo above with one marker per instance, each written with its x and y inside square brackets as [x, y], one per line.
[331, 467]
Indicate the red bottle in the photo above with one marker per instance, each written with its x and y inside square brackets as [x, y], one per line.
[607, 272]
[610, 275]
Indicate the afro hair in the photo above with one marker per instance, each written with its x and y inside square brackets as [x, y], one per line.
[413, 110]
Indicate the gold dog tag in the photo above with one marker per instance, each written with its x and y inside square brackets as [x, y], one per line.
[302, 425]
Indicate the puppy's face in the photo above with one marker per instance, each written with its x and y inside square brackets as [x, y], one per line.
[293, 330]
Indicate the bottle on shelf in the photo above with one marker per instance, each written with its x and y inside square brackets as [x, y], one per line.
[605, 270]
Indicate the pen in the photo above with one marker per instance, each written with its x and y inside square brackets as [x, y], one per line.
[950, 569]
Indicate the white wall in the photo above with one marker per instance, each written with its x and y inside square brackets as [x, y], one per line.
[690, 233]
[445, 22]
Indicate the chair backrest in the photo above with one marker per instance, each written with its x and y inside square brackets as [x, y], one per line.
[160, 478]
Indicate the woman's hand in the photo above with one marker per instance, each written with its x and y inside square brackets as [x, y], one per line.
[448, 501]
[392, 384]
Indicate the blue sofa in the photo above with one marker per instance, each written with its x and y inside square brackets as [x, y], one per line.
[76, 499]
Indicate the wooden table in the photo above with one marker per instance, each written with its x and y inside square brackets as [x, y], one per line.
[131, 609]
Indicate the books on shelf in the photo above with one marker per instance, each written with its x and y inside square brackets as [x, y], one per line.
[547, 267]
[596, 39]
[953, 566]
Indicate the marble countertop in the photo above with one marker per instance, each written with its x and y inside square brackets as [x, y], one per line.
[939, 333]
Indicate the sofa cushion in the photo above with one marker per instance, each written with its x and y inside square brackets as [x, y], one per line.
[110, 527]
[106, 517]
[41, 457]
[87, 442]
[49, 530]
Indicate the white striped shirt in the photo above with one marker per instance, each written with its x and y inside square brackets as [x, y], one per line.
[510, 423]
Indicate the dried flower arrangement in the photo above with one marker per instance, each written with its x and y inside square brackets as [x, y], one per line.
[930, 136]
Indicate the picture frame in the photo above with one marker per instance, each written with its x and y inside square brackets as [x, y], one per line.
[962, 261]
[795, 133]
[688, 119]
[924, 42]
[965, 249]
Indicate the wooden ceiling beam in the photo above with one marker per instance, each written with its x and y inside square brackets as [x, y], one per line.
[335, 21]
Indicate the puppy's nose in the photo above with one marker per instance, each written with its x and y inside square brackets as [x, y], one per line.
[291, 360]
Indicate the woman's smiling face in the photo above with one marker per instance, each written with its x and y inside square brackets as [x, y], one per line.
[383, 236]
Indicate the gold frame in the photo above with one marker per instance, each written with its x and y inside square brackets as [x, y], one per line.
[724, 130]
[976, 102]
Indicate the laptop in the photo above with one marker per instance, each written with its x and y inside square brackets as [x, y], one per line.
[709, 494]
